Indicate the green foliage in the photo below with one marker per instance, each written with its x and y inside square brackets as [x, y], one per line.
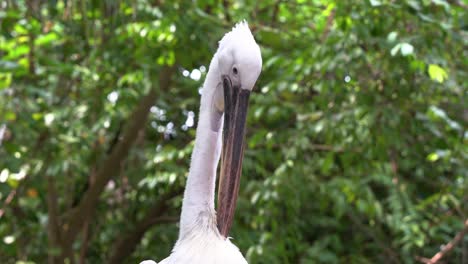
[357, 142]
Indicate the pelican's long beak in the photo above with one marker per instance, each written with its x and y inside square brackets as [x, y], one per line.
[236, 102]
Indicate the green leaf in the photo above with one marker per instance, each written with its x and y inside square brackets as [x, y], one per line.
[414, 4]
[5, 80]
[438, 155]
[46, 39]
[17, 52]
[37, 116]
[327, 163]
[432, 157]
[10, 116]
[442, 3]
[437, 73]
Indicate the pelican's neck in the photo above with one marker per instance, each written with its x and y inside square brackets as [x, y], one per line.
[200, 187]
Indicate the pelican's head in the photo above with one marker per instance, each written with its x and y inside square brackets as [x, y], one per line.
[239, 57]
[239, 65]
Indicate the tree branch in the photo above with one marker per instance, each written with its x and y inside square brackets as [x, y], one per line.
[8, 200]
[85, 243]
[329, 24]
[274, 15]
[54, 232]
[321, 147]
[127, 243]
[447, 248]
[110, 166]
[226, 5]
[53, 224]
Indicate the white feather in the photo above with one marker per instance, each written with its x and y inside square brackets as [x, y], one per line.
[199, 239]
[204, 244]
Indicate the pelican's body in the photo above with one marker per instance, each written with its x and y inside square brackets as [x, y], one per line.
[204, 244]
[203, 236]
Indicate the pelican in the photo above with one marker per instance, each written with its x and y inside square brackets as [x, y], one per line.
[203, 234]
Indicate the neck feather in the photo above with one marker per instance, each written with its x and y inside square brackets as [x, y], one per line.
[200, 187]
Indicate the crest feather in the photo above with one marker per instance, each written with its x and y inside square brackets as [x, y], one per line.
[239, 33]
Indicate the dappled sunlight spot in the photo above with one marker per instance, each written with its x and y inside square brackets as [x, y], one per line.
[404, 48]
[158, 159]
[143, 32]
[49, 118]
[9, 239]
[2, 132]
[4, 175]
[160, 129]
[159, 113]
[170, 126]
[110, 185]
[190, 120]
[158, 147]
[21, 174]
[113, 97]
[269, 136]
[169, 130]
[294, 87]
[195, 74]
[81, 111]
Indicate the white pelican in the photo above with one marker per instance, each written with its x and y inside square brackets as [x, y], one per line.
[203, 235]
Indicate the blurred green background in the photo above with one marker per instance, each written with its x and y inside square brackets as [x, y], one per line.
[356, 135]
